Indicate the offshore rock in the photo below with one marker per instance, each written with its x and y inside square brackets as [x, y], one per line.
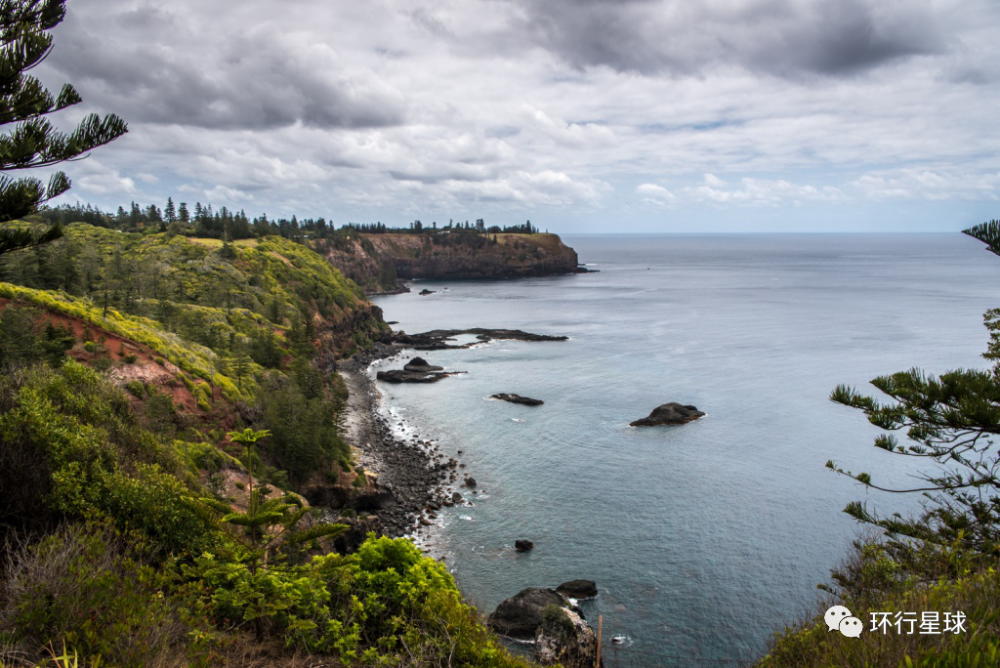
[402, 376]
[669, 414]
[523, 545]
[420, 365]
[571, 643]
[518, 399]
[578, 589]
[520, 616]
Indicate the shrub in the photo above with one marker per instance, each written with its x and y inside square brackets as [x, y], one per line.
[102, 363]
[90, 346]
[130, 359]
[556, 622]
[203, 397]
[78, 587]
[160, 361]
[136, 388]
[75, 449]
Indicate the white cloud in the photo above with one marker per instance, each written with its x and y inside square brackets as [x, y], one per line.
[929, 185]
[654, 194]
[761, 192]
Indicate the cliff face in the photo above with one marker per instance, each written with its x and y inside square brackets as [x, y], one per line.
[375, 261]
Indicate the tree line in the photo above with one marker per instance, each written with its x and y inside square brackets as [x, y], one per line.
[224, 223]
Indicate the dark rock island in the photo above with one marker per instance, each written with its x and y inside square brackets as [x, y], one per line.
[559, 631]
[420, 365]
[578, 589]
[669, 414]
[518, 399]
[520, 616]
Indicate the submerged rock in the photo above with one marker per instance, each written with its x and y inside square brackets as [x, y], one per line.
[518, 399]
[520, 616]
[669, 414]
[578, 589]
[470, 482]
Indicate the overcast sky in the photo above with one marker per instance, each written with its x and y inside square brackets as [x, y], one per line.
[580, 115]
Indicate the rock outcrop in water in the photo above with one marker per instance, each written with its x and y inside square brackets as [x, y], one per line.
[669, 414]
[561, 634]
[518, 399]
[520, 616]
[420, 365]
[578, 589]
[568, 641]
[402, 376]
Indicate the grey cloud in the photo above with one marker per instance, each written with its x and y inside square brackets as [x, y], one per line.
[782, 37]
[246, 80]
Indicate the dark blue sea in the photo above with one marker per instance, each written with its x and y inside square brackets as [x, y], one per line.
[707, 538]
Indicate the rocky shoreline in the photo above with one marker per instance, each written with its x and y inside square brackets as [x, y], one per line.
[411, 477]
[412, 480]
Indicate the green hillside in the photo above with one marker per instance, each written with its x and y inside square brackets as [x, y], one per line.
[162, 400]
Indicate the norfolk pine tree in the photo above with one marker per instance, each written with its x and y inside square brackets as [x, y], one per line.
[951, 420]
[28, 140]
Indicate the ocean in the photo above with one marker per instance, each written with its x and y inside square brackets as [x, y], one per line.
[707, 538]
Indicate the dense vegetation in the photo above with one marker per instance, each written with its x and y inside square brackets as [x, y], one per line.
[142, 529]
[946, 559]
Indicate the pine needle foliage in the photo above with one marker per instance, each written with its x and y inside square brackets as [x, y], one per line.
[28, 139]
[952, 420]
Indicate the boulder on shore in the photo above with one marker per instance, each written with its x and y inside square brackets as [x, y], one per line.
[522, 545]
[520, 616]
[669, 414]
[420, 365]
[518, 399]
[578, 589]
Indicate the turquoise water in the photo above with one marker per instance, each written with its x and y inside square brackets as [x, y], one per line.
[703, 539]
